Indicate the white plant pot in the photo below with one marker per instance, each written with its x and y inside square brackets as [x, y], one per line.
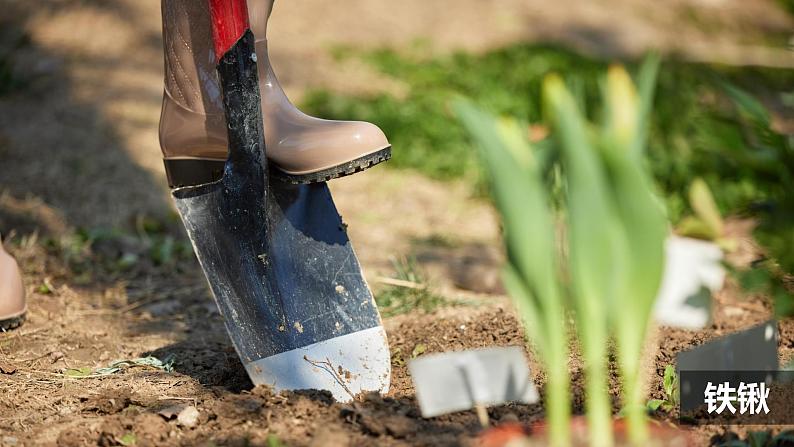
[693, 272]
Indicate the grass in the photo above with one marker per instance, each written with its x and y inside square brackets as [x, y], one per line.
[694, 130]
[703, 126]
[420, 126]
[113, 251]
[788, 5]
[410, 292]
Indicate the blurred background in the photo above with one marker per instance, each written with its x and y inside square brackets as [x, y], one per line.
[81, 85]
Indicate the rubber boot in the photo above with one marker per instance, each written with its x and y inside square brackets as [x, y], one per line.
[12, 293]
[302, 148]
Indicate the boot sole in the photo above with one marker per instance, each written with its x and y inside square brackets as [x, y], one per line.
[195, 171]
[11, 323]
[345, 169]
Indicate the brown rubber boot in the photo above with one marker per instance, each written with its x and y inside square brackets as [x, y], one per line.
[304, 149]
[12, 293]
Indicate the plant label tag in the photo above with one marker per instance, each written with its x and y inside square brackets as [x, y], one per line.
[458, 381]
[754, 349]
[693, 271]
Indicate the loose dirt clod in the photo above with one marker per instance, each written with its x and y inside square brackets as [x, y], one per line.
[7, 368]
[109, 403]
[188, 417]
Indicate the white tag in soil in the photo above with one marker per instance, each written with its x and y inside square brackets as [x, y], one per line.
[693, 271]
[458, 381]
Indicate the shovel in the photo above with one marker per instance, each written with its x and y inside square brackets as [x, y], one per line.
[276, 255]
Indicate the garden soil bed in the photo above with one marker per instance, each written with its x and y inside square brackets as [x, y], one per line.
[39, 406]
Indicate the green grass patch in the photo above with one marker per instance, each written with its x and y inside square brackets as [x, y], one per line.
[788, 5]
[423, 133]
[707, 123]
[695, 130]
[153, 243]
[409, 291]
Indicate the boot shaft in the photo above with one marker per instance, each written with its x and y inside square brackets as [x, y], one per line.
[190, 76]
[192, 122]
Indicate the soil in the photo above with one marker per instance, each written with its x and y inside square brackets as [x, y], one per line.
[40, 406]
[79, 154]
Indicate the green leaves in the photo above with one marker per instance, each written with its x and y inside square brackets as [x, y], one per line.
[519, 194]
[608, 267]
[128, 439]
[616, 229]
[655, 404]
[531, 275]
[671, 392]
[706, 211]
[670, 381]
[595, 245]
[643, 226]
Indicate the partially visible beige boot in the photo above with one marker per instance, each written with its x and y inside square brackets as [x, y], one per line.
[304, 149]
[12, 293]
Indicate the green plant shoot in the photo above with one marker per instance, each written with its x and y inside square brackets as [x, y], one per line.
[644, 228]
[531, 275]
[671, 391]
[609, 268]
[707, 222]
[594, 233]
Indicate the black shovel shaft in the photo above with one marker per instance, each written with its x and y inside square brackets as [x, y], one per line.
[238, 78]
[236, 59]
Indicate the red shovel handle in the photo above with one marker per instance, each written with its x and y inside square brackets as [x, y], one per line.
[229, 22]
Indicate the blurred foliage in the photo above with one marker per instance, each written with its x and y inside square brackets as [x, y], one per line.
[155, 242]
[420, 126]
[788, 5]
[695, 130]
[274, 441]
[774, 153]
[11, 42]
[607, 193]
[704, 126]
[706, 222]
